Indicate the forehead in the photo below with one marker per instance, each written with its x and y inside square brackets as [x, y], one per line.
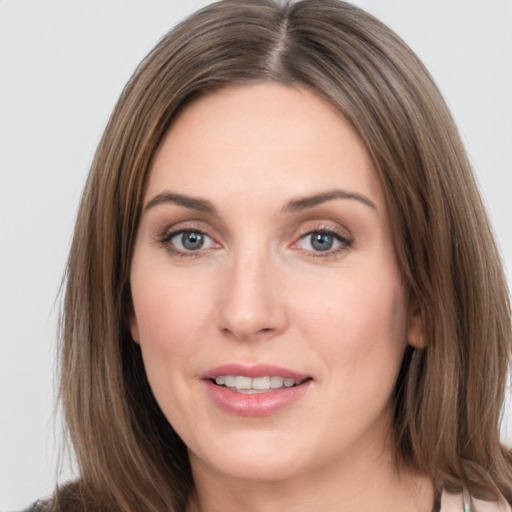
[268, 138]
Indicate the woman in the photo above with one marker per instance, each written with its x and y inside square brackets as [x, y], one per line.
[283, 290]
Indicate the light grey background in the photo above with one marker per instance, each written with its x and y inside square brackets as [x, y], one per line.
[62, 66]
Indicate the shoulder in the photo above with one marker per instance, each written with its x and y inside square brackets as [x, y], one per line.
[48, 505]
[38, 506]
[69, 497]
[455, 503]
[72, 497]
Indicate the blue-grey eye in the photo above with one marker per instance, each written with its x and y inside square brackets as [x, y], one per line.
[189, 241]
[322, 241]
[192, 241]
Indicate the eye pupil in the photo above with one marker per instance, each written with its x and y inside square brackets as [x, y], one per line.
[322, 241]
[192, 240]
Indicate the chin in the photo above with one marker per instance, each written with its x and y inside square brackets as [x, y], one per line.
[255, 458]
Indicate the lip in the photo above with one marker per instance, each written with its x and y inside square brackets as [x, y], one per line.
[258, 370]
[258, 404]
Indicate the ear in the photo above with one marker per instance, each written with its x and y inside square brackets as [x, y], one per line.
[416, 334]
[134, 326]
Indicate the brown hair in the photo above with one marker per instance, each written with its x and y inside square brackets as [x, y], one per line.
[448, 396]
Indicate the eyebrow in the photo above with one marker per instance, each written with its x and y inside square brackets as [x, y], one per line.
[194, 203]
[299, 204]
[307, 202]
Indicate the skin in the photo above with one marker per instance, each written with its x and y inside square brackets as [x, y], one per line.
[258, 291]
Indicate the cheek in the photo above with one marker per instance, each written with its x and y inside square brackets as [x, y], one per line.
[169, 316]
[358, 332]
[359, 325]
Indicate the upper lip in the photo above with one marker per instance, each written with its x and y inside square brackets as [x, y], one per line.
[257, 370]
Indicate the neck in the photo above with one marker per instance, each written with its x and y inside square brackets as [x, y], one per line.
[353, 488]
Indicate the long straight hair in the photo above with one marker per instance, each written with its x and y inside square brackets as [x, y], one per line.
[448, 396]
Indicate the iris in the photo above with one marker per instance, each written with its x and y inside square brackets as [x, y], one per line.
[322, 241]
[192, 241]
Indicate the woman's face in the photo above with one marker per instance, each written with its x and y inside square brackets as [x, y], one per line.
[268, 304]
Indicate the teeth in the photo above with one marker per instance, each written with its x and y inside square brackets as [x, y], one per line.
[243, 384]
[261, 383]
[230, 381]
[276, 382]
[288, 383]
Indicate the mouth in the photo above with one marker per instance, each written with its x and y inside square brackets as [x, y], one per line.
[255, 385]
[255, 390]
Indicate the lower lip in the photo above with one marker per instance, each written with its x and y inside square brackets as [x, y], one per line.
[256, 404]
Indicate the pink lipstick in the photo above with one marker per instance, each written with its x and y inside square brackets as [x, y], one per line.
[257, 390]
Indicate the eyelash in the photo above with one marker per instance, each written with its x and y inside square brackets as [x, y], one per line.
[165, 240]
[345, 242]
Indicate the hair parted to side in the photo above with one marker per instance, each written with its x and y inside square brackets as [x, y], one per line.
[448, 396]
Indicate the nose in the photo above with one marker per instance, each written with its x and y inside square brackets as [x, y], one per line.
[252, 305]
